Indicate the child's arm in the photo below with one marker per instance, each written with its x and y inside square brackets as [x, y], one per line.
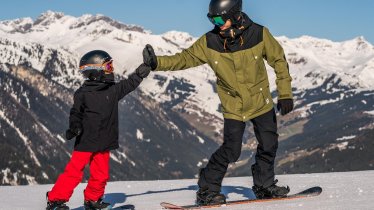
[126, 86]
[76, 117]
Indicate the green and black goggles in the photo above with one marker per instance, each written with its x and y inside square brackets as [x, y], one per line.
[217, 20]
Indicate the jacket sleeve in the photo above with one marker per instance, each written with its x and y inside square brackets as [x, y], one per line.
[274, 54]
[76, 112]
[188, 58]
[128, 85]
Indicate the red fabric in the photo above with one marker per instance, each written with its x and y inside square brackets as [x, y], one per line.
[73, 174]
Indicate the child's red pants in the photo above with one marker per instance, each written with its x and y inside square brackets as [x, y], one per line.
[73, 174]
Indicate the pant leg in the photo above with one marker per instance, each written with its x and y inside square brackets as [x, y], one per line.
[99, 176]
[212, 175]
[265, 127]
[70, 178]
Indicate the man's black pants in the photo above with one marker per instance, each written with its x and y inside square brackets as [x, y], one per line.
[265, 128]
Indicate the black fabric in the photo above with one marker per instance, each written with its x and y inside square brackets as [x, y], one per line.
[237, 28]
[94, 74]
[143, 70]
[265, 128]
[149, 57]
[285, 106]
[73, 132]
[250, 37]
[96, 110]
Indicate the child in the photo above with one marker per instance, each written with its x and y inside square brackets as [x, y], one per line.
[94, 123]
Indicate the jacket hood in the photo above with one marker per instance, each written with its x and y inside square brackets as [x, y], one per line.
[90, 85]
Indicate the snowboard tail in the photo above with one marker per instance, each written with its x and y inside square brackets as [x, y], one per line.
[311, 192]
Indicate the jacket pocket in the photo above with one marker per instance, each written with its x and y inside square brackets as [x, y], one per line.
[228, 98]
[260, 96]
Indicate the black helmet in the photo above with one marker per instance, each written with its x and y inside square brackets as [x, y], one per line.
[226, 8]
[94, 64]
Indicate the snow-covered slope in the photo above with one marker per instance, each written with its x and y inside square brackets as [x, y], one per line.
[341, 191]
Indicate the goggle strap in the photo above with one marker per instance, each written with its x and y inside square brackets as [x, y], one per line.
[102, 67]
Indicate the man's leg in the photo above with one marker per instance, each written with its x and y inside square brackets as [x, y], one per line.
[99, 176]
[265, 127]
[212, 175]
[70, 178]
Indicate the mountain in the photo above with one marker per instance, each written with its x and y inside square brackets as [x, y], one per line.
[349, 190]
[171, 124]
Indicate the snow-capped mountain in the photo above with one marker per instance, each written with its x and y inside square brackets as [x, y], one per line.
[333, 85]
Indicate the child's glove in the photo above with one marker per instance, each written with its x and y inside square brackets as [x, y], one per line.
[143, 71]
[73, 132]
[149, 57]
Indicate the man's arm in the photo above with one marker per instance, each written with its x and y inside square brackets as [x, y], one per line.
[274, 54]
[188, 58]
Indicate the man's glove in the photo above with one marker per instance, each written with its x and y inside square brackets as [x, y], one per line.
[73, 132]
[143, 70]
[149, 57]
[285, 106]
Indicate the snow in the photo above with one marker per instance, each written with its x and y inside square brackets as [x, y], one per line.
[369, 112]
[113, 157]
[345, 138]
[59, 137]
[201, 140]
[341, 191]
[139, 134]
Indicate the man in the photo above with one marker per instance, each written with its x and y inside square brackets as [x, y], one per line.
[235, 49]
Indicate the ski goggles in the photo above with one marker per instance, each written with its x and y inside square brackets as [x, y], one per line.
[217, 20]
[107, 67]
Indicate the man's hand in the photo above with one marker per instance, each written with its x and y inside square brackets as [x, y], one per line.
[285, 106]
[149, 57]
[73, 132]
[143, 70]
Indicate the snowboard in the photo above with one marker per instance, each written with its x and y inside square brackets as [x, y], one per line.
[311, 192]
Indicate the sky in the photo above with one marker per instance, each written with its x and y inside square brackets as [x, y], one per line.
[337, 20]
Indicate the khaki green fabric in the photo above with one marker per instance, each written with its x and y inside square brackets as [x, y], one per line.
[242, 81]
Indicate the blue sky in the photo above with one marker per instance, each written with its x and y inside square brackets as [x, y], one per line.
[337, 20]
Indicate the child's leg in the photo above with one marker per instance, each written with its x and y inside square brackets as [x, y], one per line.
[70, 178]
[99, 176]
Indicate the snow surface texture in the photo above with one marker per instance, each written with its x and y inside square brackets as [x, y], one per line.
[341, 191]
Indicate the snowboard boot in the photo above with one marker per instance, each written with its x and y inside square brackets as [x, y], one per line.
[204, 197]
[97, 205]
[56, 205]
[272, 191]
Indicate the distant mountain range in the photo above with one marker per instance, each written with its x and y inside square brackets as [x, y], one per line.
[171, 125]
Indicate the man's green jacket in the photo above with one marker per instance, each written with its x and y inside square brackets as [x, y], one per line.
[242, 80]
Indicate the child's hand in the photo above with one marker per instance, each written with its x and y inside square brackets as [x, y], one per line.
[143, 71]
[71, 133]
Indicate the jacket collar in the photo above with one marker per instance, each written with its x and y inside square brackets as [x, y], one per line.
[91, 85]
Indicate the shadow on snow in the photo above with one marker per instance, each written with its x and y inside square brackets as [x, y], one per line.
[120, 198]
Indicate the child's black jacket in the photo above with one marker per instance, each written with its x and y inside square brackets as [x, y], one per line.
[95, 110]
